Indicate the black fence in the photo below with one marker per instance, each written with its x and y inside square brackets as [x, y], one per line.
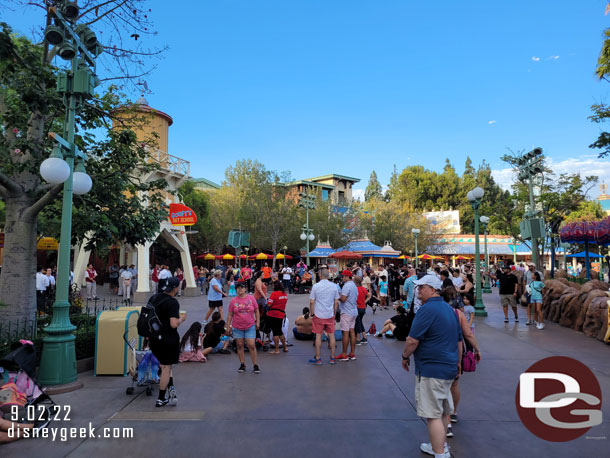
[83, 317]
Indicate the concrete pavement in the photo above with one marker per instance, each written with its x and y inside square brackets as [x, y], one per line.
[363, 408]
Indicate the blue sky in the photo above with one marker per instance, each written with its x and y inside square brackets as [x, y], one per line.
[347, 86]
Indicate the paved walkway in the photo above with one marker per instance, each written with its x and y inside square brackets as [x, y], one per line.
[363, 408]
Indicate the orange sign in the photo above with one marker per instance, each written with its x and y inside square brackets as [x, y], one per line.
[181, 215]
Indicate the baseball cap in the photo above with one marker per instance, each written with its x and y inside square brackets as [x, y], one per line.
[347, 273]
[172, 282]
[430, 280]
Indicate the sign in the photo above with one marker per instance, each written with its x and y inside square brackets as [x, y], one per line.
[181, 215]
[239, 238]
[47, 243]
[559, 399]
[445, 222]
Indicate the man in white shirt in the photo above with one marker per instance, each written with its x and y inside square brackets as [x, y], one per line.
[42, 283]
[323, 303]
[163, 276]
[51, 278]
[287, 279]
[349, 312]
[126, 281]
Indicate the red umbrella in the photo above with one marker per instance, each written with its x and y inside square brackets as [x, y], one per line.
[345, 255]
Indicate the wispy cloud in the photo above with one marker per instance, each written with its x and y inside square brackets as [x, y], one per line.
[536, 59]
[552, 58]
[493, 121]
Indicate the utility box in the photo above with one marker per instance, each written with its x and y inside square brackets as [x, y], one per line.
[532, 229]
[113, 330]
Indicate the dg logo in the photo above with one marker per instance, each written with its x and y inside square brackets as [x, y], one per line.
[559, 399]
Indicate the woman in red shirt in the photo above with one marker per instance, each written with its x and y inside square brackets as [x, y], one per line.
[363, 296]
[276, 314]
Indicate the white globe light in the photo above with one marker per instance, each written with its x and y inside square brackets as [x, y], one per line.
[303, 236]
[311, 237]
[54, 170]
[470, 197]
[484, 219]
[478, 193]
[81, 183]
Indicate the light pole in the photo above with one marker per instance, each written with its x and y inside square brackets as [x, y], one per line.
[284, 248]
[308, 202]
[486, 287]
[475, 197]
[80, 46]
[515, 252]
[415, 233]
[532, 228]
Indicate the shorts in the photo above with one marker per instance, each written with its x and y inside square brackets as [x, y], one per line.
[383, 294]
[433, 397]
[508, 299]
[167, 352]
[249, 333]
[347, 322]
[275, 325]
[214, 304]
[319, 325]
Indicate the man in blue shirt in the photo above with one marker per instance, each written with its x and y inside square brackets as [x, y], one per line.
[435, 340]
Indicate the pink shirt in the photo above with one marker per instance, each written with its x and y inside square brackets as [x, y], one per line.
[243, 310]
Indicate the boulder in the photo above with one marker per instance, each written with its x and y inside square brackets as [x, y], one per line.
[595, 284]
[552, 291]
[596, 319]
[569, 294]
[573, 315]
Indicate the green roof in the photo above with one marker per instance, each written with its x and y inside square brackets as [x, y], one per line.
[310, 183]
[334, 175]
[209, 183]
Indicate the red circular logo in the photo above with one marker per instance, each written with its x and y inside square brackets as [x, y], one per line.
[559, 399]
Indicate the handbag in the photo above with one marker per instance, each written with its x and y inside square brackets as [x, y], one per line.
[469, 362]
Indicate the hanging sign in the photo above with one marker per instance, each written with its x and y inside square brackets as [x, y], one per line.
[181, 215]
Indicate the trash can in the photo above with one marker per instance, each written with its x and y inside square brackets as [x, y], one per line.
[113, 330]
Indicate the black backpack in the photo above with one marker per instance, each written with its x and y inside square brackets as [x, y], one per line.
[149, 324]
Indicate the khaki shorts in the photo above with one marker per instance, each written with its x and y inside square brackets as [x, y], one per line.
[508, 299]
[347, 322]
[433, 397]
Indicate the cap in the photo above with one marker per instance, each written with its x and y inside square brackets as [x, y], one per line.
[172, 282]
[430, 280]
[347, 273]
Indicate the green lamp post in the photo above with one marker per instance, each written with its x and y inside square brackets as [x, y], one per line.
[475, 197]
[66, 165]
[487, 286]
[308, 202]
[415, 233]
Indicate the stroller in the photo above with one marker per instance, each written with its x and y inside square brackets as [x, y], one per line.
[143, 367]
[18, 373]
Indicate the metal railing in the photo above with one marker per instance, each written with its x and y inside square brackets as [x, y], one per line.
[171, 163]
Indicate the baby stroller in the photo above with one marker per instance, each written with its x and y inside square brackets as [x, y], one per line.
[17, 373]
[143, 367]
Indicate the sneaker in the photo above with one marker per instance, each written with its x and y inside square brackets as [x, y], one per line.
[342, 357]
[380, 335]
[358, 343]
[242, 369]
[516, 319]
[256, 369]
[364, 341]
[331, 362]
[224, 351]
[540, 325]
[506, 320]
[173, 399]
[449, 431]
[352, 357]
[426, 447]
[204, 322]
[528, 322]
[316, 362]
[162, 402]
[454, 418]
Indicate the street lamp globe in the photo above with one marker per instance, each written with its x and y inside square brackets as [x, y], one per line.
[82, 183]
[311, 236]
[54, 170]
[470, 196]
[415, 231]
[484, 219]
[478, 192]
[303, 236]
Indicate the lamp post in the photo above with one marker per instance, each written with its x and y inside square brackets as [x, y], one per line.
[475, 197]
[308, 202]
[515, 241]
[487, 286]
[415, 233]
[284, 248]
[79, 45]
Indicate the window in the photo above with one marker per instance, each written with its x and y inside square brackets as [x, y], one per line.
[324, 195]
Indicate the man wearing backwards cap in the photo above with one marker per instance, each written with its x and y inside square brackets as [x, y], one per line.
[349, 312]
[434, 341]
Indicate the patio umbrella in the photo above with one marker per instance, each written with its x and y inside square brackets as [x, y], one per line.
[462, 258]
[427, 256]
[225, 257]
[261, 256]
[345, 255]
[402, 256]
[206, 257]
[281, 256]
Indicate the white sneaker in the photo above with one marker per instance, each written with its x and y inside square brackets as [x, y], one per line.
[426, 447]
[540, 325]
[173, 399]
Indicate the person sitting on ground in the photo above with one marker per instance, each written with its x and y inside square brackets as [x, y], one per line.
[398, 325]
[303, 329]
[215, 339]
[191, 346]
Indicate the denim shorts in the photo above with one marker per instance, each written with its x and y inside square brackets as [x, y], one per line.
[249, 333]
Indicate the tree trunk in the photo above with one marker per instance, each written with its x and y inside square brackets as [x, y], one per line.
[18, 279]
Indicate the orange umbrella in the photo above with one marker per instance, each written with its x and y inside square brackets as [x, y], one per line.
[345, 255]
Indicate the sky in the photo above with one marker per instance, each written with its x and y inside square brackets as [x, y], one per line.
[350, 86]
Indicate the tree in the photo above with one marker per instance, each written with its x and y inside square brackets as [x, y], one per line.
[392, 185]
[373, 189]
[29, 109]
[601, 111]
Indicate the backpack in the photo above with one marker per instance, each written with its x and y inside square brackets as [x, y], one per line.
[372, 329]
[149, 324]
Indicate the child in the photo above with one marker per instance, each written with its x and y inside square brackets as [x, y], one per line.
[383, 291]
[468, 312]
[232, 292]
[190, 345]
[535, 305]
